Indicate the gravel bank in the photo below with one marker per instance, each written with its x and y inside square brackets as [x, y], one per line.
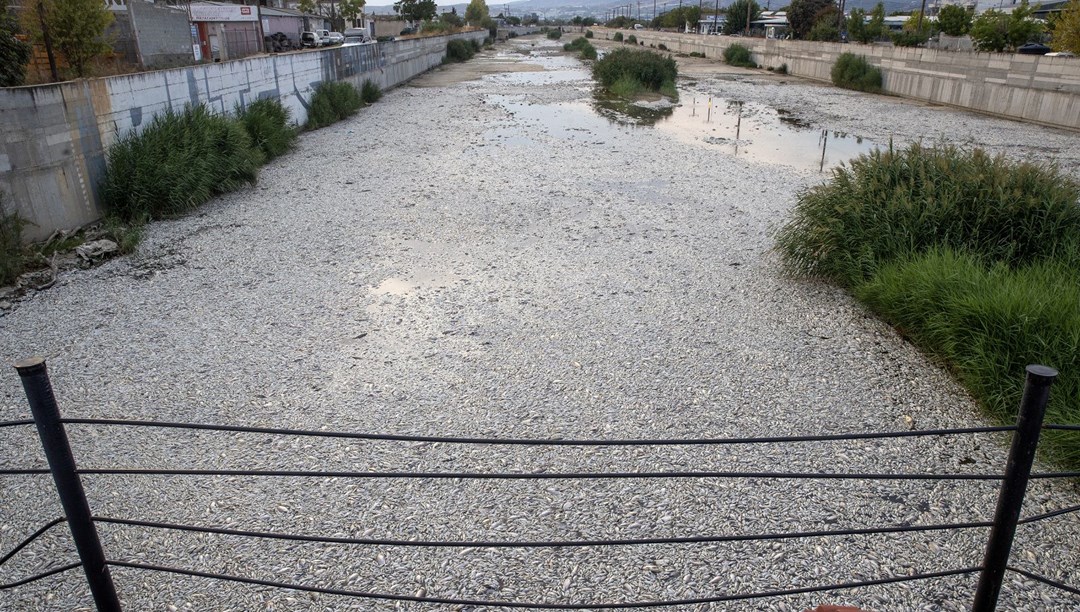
[501, 261]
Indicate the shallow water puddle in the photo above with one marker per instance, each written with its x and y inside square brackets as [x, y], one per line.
[760, 132]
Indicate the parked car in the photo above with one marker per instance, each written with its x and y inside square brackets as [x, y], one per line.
[1033, 49]
[1060, 54]
[336, 38]
[407, 31]
[324, 37]
[357, 40]
[310, 40]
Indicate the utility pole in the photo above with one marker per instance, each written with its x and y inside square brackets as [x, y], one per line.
[716, 18]
[48, 41]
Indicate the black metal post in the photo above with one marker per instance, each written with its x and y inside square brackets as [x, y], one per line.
[1011, 497]
[35, 380]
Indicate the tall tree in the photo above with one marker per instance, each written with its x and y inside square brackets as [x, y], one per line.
[351, 9]
[76, 29]
[476, 12]
[1067, 29]
[990, 31]
[14, 53]
[737, 15]
[856, 26]
[954, 19]
[802, 14]
[416, 10]
[875, 29]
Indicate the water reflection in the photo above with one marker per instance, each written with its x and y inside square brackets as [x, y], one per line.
[630, 112]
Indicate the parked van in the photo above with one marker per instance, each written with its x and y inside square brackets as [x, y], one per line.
[309, 40]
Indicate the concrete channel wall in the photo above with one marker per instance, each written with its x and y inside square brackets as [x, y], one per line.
[54, 138]
[1033, 88]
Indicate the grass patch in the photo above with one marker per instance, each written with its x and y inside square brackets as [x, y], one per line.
[972, 256]
[267, 122]
[179, 161]
[459, 50]
[853, 72]
[650, 71]
[332, 102]
[738, 55]
[370, 92]
[582, 46]
[12, 252]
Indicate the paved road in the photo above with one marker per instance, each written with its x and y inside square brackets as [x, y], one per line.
[483, 254]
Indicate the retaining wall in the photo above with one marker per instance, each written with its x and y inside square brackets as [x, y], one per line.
[1033, 88]
[54, 138]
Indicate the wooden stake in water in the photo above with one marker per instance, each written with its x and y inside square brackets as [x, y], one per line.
[708, 118]
[693, 109]
[824, 144]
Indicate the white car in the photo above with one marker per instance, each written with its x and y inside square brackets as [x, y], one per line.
[336, 38]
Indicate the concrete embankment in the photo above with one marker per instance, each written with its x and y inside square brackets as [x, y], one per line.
[54, 138]
[1035, 88]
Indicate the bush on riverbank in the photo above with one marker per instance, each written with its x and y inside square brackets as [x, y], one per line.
[370, 92]
[738, 55]
[853, 72]
[459, 50]
[582, 46]
[554, 34]
[617, 37]
[627, 72]
[971, 256]
[332, 102]
[267, 122]
[12, 253]
[179, 161]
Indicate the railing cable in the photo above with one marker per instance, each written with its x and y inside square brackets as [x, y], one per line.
[1044, 580]
[538, 441]
[544, 544]
[36, 577]
[16, 423]
[37, 534]
[543, 475]
[545, 606]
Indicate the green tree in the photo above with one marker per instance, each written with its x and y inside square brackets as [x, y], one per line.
[14, 53]
[1023, 27]
[825, 26]
[998, 31]
[76, 29]
[990, 30]
[875, 29]
[954, 19]
[736, 15]
[802, 14]
[416, 10]
[307, 6]
[351, 9]
[1067, 29]
[856, 25]
[476, 12]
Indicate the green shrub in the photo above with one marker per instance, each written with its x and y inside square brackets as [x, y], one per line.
[782, 69]
[332, 102]
[370, 92]
[695, 54]
[459, 50]
[987, 323]
[662, 47]
[476, 43]
[891, 204]
[738, 55]
[588, 52]
[554, 34]
[653, 72]
[12, 251]
[179, 161]
[854, 72]
[267, 122]
[907, 38]
[588, 33]
[577, 44]
[617, 37]
[631, 40]
[972, 256]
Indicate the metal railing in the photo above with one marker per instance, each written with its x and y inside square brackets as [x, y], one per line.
[82, 523]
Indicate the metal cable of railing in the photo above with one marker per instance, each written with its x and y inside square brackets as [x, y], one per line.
[1044, 580]
[16, 423]
[37, 534]
[539, 441]
[36, 577]
[1062, 427]
[545, 544]
[547, 606]
[544, 475]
